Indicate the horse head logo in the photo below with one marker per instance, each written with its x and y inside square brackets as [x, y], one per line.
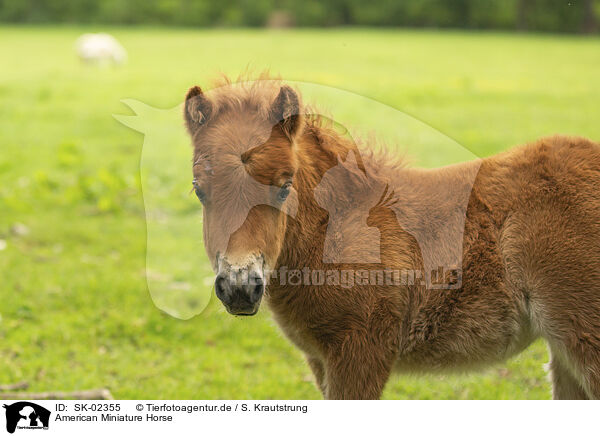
[25, 414]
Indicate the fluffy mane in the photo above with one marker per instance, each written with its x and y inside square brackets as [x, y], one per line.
[256, 94]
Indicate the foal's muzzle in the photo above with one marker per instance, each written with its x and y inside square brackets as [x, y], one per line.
[240, 289]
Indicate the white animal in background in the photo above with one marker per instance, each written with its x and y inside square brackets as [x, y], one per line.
[100, 49]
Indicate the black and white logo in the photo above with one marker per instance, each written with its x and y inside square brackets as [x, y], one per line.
[26, 415]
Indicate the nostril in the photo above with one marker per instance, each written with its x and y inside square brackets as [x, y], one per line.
[257, 292]
[221, 289]
[257, 280]
[257, 287]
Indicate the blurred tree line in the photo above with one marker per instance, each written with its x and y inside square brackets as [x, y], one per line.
[536, 15]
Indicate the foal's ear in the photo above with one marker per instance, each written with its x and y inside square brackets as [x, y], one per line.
[285, 111]
[197, 109]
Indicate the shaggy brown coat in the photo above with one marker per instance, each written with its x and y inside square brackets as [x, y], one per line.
[530, 254]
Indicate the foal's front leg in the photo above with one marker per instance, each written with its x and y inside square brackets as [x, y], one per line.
[318, 369]
[357, 371]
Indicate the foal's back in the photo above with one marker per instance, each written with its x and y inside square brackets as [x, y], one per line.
[547, 196]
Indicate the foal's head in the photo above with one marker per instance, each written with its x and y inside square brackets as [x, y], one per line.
[243, 173]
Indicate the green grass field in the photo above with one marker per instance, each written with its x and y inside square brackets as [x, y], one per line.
[76, 312]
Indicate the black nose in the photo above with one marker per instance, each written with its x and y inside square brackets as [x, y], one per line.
[240, 296]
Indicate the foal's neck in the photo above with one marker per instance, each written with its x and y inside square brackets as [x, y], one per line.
[426, 213]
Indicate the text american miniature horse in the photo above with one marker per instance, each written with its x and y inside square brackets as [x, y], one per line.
[528, 251]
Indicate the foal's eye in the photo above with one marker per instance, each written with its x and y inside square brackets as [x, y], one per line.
[284, 191]
[199, 193]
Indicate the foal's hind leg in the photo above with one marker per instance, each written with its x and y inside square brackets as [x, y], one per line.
[564, 385]
[584, 357]
[576, 351]
[573, 332]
